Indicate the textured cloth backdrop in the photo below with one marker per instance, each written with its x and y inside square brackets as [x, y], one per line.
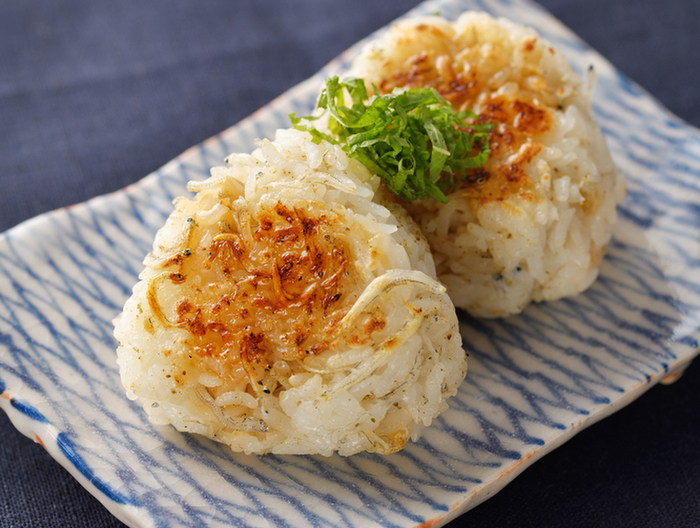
[95, 94]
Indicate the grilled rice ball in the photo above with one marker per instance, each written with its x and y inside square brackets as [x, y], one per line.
[285, 309]
[532, 223]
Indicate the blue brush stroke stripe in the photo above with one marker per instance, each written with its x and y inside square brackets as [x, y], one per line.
[28, 410]
[68, 448]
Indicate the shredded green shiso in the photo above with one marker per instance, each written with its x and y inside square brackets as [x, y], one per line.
[411, 138]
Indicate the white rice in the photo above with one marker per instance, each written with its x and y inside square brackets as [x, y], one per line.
[533, 224]
[285, 309]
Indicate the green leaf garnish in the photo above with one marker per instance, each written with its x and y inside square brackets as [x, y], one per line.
[411, 138]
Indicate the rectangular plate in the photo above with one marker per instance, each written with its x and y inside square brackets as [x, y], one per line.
[535, 380]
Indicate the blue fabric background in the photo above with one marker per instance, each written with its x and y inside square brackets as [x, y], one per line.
[96, 94]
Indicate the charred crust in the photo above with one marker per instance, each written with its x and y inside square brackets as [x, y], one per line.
[529, 119]
[250, 346]
[513, 173]
[290, 266]
[494, 111]
[374, 324]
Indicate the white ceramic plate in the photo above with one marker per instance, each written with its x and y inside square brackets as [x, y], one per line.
[534, 380]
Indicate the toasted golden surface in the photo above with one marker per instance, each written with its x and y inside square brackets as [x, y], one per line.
[531, 223]
[266, 286]
[461, 68]
[283, 309]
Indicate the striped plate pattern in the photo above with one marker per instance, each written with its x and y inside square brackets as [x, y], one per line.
[534, 380]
